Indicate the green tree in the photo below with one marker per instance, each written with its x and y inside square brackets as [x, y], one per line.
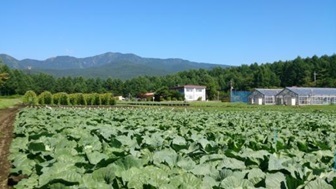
[3, 78]
[43, 82]
[114, 85]
[3, 75]
[79, 85]
[24, 82]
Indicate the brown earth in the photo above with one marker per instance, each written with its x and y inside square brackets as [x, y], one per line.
[7, 117]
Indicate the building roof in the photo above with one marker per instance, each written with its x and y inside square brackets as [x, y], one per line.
[269, 92]
[190, 86]
[149, 94]
[312, 91]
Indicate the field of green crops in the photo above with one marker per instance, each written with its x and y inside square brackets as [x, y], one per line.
[167, 148]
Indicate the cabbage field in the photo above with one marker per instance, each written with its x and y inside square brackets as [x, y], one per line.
[169, 148]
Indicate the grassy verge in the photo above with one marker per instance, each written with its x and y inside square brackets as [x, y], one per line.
[6, 102]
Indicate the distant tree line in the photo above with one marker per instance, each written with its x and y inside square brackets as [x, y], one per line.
[312, 71]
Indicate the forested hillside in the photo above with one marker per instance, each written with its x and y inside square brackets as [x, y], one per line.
[297, 72]
[115, 65]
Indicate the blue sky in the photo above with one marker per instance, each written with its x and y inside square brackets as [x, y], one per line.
[232, 32]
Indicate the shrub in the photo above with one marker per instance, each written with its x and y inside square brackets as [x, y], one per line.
[106, 99]
[45, 98]
[81, 99]
[61, 98]
[77, 99]
[88, 98]
[97, 99]
[93, 99]
[30, 98]
[113, 101]
[73, 99]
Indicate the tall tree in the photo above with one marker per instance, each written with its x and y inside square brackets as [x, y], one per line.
[3, 75]
[80, 85]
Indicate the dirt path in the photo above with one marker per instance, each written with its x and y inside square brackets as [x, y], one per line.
[7, 117]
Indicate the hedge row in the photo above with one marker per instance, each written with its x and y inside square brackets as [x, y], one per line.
[47, 98]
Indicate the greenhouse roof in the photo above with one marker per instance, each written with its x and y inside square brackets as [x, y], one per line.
[311, 91]
[269, 92]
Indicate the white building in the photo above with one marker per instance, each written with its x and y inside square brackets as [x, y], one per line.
[306, 96]
[192, 92]
[263, 96]
[119, 98]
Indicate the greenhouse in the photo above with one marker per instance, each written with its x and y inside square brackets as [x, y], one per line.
[306, 96]
[263, 96]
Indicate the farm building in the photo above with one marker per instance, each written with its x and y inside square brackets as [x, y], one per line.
[192, 92]
[119, 98]
[146, 96]
[306, 96]
[263, 96]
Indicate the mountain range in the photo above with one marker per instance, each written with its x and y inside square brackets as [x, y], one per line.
[114, 65]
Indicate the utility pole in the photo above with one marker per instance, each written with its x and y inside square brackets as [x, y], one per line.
[315, 74]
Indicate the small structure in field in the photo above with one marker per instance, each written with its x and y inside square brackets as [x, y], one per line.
[119, 98]
[192, 92]
[149, 96]
[306, 96]
[263, 96]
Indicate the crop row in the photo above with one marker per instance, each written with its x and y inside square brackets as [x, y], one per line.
[160, 148]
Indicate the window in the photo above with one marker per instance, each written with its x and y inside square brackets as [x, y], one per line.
[199, 90]
[189, 90]
[316, 100]
[269, 99]
[303, 100]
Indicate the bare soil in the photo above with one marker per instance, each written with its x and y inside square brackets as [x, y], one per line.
[7, 118]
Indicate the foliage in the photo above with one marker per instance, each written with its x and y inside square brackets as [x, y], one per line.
[77, 99]
[107, 99]
[30, 98]
[45, 98]
[3, 75]
[165, 93]
[73, 99]
[3, 78]
[297, 72]
[81, 99]
[161, 148]
[93, 99]
[61, 98]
